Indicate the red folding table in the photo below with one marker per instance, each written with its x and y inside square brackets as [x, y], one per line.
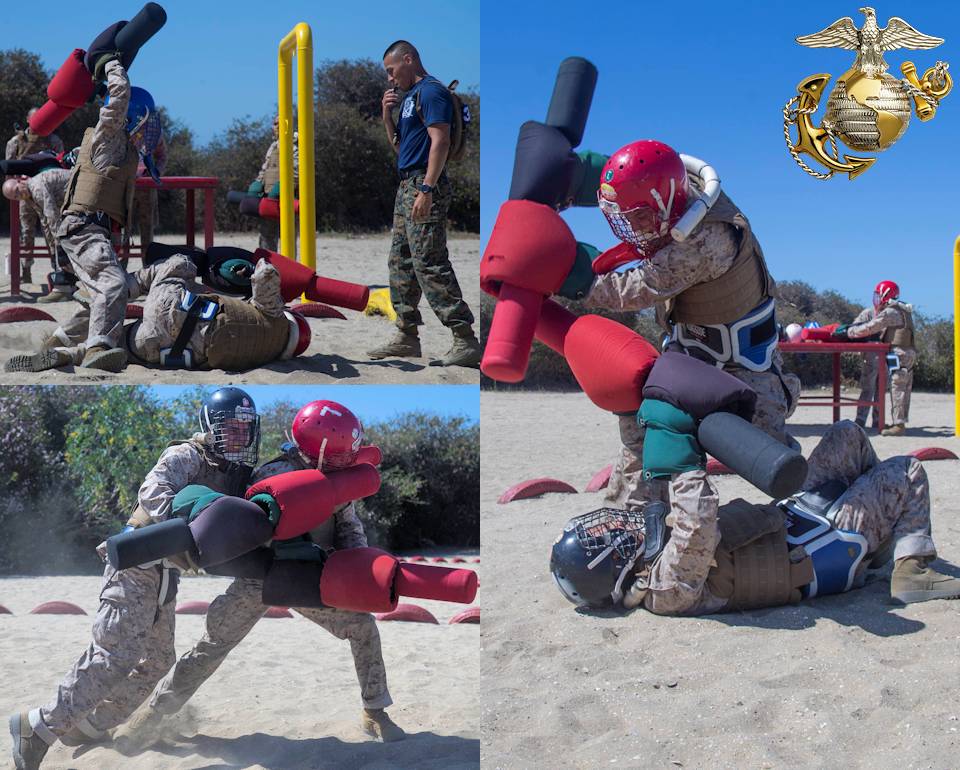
[878, 349]
[189, 183]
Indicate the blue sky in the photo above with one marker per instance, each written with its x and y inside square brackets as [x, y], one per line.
[711, 79]
[371, 403]
[216, 61]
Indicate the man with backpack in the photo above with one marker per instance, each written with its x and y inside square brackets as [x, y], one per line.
[428, 133]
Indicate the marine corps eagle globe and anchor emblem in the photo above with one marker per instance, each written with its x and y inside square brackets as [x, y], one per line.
[868, 109]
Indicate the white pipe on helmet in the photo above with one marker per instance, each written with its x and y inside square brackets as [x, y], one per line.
[710, 182]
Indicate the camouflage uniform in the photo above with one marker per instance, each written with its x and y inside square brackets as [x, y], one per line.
[885, 500]
[133, 633]
[89, 245]
[420, 263]
[707, 254]
[269, 175]
[233, 614]
[47, 190]
[22, 143]
[868, 324]
[164, 283]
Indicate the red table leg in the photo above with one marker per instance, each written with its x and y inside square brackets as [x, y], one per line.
[191, 217]
[881, 390]
[207, 218]
[836, 387]
[14, 247]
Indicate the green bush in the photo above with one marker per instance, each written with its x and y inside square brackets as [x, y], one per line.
[429, 494]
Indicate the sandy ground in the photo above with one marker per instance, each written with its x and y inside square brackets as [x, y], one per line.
[841, 681]
[286, 698]
[337, 351]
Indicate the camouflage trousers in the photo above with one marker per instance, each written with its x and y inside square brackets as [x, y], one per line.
[94, 261]
[627, 487]
[420, 263]
[132, 648]
[900, 385]
[230, 618]
[885, 502]
[28, 231]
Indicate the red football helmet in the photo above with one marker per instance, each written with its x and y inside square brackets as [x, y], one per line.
[885, 291]
[643, 192]
[328, 433]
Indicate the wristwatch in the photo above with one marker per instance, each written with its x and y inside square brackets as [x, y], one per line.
[425, 188]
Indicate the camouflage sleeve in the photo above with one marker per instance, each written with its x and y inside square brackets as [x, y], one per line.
[266, 289]
[863, 316]
[266, 160]
[50, 194]
[177, 467]
[709, 253]
[113, 115]
[678, 579]
[349, 528]
[11, 150]
[885, 319]
[177, 266]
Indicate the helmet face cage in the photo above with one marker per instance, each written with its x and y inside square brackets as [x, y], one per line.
[610, 530]
[609, 543]
[885, 291]
[234, 428]
[640, 225]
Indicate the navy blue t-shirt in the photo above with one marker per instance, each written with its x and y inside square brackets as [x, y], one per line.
[436, 106]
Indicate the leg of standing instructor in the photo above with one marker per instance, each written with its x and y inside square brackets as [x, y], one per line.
[419, 260]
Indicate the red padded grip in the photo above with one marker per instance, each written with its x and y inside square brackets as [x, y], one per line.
[369, 454]
[555, 321]
[340, 293]
[444, 584]
[72, 85]
[359, 579]
[610, 361]
[48, 118]
[308, 498]
[269, 208]
[507, 352]
[530, 247]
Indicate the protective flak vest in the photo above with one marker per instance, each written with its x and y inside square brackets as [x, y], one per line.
[91, 190]
[739, 290]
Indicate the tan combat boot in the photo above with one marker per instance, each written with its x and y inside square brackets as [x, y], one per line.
[405, 344]
[913, 581]
[29, 748]
[104, 358]
[894, 430]
[378, 724]
[465, 351]
[139, 732]
[55, 295]
[38, 362]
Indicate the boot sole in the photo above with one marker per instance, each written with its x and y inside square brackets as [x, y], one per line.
[18, 759]
[912, 597]
[38, 362]
[381, 356]
[108, 361]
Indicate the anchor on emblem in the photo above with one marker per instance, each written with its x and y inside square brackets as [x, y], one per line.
[868, 109]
